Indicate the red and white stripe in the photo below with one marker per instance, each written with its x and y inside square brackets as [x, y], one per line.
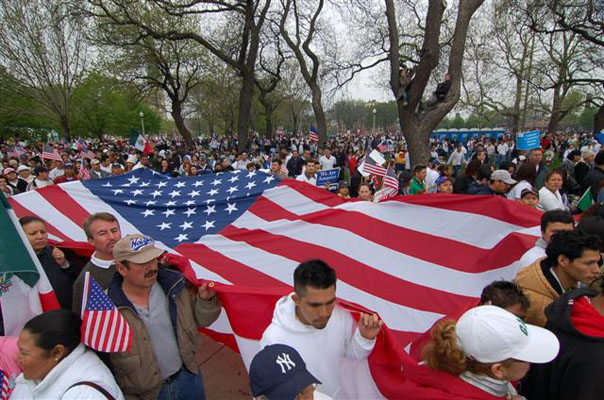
[104, 330]
[50, 153]
[412, 259]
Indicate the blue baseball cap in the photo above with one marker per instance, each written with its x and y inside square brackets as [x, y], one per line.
[278, 372]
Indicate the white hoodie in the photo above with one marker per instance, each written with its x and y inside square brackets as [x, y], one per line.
[321, 349]
[82, 364]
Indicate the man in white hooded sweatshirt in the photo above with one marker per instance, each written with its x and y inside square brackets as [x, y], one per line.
[310, 321]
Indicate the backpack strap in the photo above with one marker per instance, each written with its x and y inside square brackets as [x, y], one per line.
[95, 386]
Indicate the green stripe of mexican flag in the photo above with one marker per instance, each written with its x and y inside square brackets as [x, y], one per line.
[24, 288]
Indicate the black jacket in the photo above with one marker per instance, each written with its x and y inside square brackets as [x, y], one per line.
[578, 370]
[593, 180]
[60, 279]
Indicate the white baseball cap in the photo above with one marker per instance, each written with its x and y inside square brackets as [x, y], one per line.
[490, 334]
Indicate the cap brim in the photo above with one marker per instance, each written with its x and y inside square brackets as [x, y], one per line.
[542, 347]
[510, 181]
[146, 255]
[289, 389]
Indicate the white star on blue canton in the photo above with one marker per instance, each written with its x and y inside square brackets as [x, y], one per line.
[150, 202]
[232, 189]
[156, 193]
[170, 203]
[233, 178]
[209, 210]
[133, 179]
[180, 185]
[146, 213]
[130, 202]
[250, 185]
[181, 237]
[212, 192]
[208, 225]
[168, 212]
[198, 183]
[186, 225]
[268, 179]
[145, 184]
[193, 194]
[136, 192]
[174, 193]
[251, 174]
[162, 184]
[189, 202]
[164, 225]
[216, 182]
[190, 211]
[116, 191]
[108, 184]
[231, 207]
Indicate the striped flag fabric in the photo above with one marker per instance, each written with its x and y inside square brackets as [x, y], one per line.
[84, 173]
[104, 328]
[313, 135]
[50, 153]
[370, 166]
[247, 232]
[25, 290]
[4, 385]
[383, 146]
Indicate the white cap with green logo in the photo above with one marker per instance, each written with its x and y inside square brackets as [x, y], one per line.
[490, 334]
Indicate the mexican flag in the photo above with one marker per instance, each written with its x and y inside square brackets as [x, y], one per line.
[585, 201]
[140, 142]
[24, 288]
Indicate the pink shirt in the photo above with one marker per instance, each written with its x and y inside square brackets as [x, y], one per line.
[8, 358]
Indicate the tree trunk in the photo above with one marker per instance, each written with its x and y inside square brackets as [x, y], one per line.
[317, 108]
[599, 120]
[528, 79]
[556, 114]
[518, 97]
[65, 126]
[245, 107]
[179, 121]
[268, 113]
[211, 127]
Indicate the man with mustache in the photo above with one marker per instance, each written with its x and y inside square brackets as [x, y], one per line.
[164, 312]
[103, 232]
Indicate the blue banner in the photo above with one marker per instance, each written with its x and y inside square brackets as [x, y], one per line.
[328, 176]
[528, 140]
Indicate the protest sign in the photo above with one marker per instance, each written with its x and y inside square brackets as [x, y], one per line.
[328, 176]
[527, 140]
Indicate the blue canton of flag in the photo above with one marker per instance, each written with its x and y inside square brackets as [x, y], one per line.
[181, 210]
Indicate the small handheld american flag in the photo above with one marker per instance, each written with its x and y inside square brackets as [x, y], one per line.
[50, 153]
[313, 135]
[84, 173]
[5, 388]
[104, 328]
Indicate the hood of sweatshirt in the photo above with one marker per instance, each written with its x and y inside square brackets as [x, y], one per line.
[572, 314]
[285, 318]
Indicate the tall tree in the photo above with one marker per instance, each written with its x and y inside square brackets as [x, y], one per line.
[417, 127]
[298, 25]
[234, 38]
[44, 55]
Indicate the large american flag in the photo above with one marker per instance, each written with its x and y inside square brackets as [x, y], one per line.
[104, 328]
[412, 259]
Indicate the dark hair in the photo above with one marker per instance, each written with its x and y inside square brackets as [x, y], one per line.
[506, 165]
[28, 219]
[472, 168]
[53, 328]
[554, 172]
[504, 294]
[418, 168]
[599, 158]
[526, 172]
[100, 216]
[570, 244]
[314, 273]
[593, 226]
[278, 161]
[551, 216]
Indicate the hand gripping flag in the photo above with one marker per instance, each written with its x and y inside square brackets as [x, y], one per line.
[249, 231]
[24, 288]
[104, 328]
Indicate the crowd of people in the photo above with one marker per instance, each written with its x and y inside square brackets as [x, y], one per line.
[540, 336]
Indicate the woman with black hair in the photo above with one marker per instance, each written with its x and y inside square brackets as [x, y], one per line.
[55, 365]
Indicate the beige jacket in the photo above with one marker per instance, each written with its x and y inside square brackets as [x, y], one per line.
[538, 290]
[137, 371]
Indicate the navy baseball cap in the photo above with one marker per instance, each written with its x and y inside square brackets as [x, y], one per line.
[278, 372]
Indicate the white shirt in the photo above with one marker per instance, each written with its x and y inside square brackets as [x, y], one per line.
[327, 163]
[550, 201]
[303, 178]
[431, 177]
[55, 172]
[457, 158]
[503, 149]
[514, 193]
[533, 254]
[323, 350]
